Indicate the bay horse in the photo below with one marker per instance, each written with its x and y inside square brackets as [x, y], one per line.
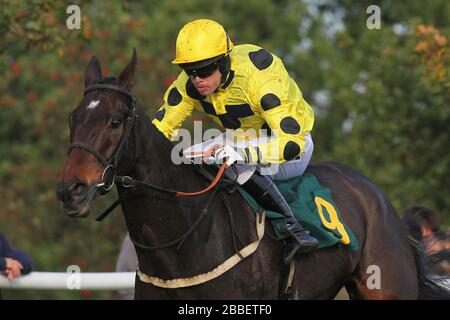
[110, 136]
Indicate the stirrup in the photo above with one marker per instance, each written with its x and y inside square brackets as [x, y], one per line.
[303, 238]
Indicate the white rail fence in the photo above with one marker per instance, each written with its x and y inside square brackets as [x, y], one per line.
[71, 281]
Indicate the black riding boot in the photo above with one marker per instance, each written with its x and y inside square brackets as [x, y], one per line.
[269, 197]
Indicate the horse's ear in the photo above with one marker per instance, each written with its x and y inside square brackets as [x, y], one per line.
[126, 77]
[93, 72]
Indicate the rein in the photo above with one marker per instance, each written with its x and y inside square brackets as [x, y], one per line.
[127, 181]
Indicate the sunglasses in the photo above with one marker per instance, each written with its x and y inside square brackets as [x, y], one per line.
[203, 72]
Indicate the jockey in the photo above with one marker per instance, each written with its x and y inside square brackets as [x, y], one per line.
[244, 87]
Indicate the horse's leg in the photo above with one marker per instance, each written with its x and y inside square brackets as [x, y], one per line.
[387, 268]
[321, 274]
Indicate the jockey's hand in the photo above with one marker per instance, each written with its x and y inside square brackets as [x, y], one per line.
[211, 152]
[13, 268]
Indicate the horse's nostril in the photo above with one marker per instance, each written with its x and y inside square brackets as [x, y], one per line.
[78, 188]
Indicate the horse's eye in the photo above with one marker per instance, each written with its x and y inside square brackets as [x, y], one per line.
[116, 122]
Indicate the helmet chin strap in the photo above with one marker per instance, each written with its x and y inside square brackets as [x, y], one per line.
[225, 63]
[224, 78]
[224, 68]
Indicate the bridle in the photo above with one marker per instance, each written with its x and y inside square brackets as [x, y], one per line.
[113, 162]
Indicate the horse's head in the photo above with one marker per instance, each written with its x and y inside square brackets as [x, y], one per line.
[99, 128]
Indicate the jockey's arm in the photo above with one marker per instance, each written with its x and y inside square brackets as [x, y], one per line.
[286, 143]
[287, 114]
[176, 108]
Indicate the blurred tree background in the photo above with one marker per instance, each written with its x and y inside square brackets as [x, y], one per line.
[381, 97]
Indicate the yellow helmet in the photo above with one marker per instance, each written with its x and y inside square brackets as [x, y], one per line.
[201, 40]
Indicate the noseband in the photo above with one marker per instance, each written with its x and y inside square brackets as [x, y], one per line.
[112, 163]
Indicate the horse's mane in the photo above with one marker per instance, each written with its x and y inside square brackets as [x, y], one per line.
[161, 138]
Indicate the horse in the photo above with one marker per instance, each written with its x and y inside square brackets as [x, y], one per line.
[179, 240]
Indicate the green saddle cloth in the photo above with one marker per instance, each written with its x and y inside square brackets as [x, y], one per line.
[314, 208]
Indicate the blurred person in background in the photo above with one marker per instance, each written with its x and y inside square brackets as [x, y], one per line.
[13, 262]
[424, 225]
[126, 262]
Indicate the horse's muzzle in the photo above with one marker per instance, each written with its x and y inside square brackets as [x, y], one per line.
[75, 198]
